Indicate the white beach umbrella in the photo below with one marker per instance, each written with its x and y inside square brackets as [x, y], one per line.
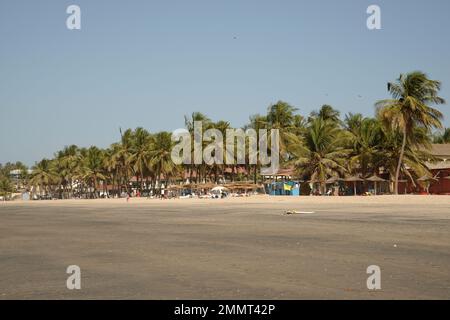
[218, 189]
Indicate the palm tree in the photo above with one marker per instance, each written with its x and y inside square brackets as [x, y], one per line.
[140, 155]
[222, 126]
[444, 137]
[258, 122]
[415, 155]
[409, 109]
[160, 157]
[6, 187]
[43, 176]
[123, 157]
[61, 175]
[112, 165]
[65, 164]
[353, 121]
[282, 116]
[365, 139]
[94, 168]
[206, 124]
[326, 112]
[299, 125]
[321, 153]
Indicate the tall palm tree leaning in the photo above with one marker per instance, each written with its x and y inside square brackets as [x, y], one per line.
[412, 93]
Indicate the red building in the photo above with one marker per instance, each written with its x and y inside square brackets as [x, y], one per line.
[440, 169]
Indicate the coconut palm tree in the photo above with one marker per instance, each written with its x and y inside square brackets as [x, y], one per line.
[365, 138]
[65, 164]
[6, 187]
[320, 153]
[281, 116]
[299, 125]
[94, 170]
[412, 93]
[258, 122]
[160, 157]
[206, 124]
[222, 126]
[112, 166]
[444, 137]
[415, 154]
[43, 176]
[352, 122]
[61, 175]
[142, 143]
[123, 153]
[326, 112]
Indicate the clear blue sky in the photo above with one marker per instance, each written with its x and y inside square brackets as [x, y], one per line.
[149, 63]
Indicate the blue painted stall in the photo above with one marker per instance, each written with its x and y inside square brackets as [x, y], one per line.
[283, 188]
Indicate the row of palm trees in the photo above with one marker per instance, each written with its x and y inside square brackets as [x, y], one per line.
[78, 171]
[319, 146]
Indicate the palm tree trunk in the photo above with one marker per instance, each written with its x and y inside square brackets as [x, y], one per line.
[95, 188]
[71, 188]
[127, 181]
[400, 160]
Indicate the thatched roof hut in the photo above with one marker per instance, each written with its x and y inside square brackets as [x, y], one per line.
[333, 180]
[375, 179]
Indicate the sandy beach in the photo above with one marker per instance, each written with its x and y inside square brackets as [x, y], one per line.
[236, 248]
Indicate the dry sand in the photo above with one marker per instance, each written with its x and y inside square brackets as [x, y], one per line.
[237, 248]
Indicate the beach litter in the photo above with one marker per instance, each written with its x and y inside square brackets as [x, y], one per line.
[290, 212]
